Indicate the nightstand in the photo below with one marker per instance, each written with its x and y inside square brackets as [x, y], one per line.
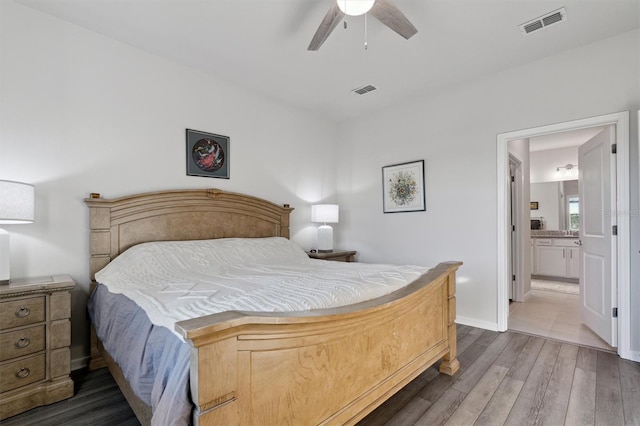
[340, 256]
[35, 336]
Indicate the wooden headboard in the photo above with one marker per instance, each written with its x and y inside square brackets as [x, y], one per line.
[197, 214]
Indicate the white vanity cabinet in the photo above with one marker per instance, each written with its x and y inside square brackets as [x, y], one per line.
[573, 267]
[557, 257]
[550, 260]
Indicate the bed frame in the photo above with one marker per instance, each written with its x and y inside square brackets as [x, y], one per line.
[329, 366]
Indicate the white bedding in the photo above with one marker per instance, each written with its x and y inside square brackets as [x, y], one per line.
[178, 280]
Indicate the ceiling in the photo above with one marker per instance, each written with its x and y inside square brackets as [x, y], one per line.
[261, 45]
[563, 139]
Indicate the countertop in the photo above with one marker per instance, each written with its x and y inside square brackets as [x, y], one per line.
[554, 234]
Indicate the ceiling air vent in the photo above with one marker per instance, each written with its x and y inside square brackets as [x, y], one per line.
[364, 89]
[545, 21]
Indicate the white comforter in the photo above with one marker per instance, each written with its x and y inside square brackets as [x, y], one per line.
[174, 281]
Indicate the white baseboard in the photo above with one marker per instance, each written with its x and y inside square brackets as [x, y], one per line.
[630, 355]
[486, 325]
[79, 363]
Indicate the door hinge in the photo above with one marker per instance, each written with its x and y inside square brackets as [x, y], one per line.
[615, 312]
[614, 148]
[513, 227]
[513, 178]
[513, 277]
[614, 230]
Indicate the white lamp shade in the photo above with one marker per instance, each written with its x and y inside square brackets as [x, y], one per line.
[17, 202]
[324, 213]
[355, 7]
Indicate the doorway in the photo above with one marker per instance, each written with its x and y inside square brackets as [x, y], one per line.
[551, 307]
[619, 121]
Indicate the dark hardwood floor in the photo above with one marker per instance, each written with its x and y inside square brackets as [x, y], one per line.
[97, 402]
[505, 379]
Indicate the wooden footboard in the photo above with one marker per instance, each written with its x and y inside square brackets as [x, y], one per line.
[330, 366]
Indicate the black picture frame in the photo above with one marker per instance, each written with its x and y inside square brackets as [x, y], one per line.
[403, 187]
[533, 205]
[207, 154]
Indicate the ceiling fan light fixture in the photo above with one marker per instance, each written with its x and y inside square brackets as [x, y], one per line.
[355, 7]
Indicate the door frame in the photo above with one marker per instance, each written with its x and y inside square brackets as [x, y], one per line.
[620, 121]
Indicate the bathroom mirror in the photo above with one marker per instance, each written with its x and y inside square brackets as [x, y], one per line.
[558, 204]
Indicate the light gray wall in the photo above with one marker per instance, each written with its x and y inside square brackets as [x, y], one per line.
[455, 133]
[81, 113]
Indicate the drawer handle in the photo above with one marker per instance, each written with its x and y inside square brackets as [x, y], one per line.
[23, 342]
[23, 312]
[23, 373]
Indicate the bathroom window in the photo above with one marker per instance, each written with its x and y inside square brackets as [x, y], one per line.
[574, 212]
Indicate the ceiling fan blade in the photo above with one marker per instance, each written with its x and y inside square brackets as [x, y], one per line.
[387, 13]
[329, 22]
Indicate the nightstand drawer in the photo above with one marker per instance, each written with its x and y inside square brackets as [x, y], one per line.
[14, 344]
[21, 373]
[17, 313]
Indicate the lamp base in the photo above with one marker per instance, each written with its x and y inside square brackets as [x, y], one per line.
[325, 239]
[5, 258]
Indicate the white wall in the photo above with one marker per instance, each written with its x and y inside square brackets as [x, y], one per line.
[81, 113]
[455, 133]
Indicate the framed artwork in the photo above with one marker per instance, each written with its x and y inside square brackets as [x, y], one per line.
[207, 154]
[533, 205]
[403, 187]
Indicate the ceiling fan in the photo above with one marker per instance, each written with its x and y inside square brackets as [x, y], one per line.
[383, 10]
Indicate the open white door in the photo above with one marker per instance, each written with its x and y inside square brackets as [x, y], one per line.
[598, 280]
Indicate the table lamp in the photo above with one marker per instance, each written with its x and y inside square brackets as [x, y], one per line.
[325, 213]
[17, 201]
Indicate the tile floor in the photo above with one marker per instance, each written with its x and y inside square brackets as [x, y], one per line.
[554, 315]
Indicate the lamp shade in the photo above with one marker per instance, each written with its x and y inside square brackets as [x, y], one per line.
[17, 202]
[324, 213]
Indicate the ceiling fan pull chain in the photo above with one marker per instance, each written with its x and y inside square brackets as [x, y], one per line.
[345, 15]
[365, 31]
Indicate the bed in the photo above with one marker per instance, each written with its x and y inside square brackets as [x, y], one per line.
[323, 366]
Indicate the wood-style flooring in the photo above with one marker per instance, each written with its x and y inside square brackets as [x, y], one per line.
[505, 379]
[517, 379]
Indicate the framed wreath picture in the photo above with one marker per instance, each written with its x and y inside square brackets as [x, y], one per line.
[403, 187]
[207, 154]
